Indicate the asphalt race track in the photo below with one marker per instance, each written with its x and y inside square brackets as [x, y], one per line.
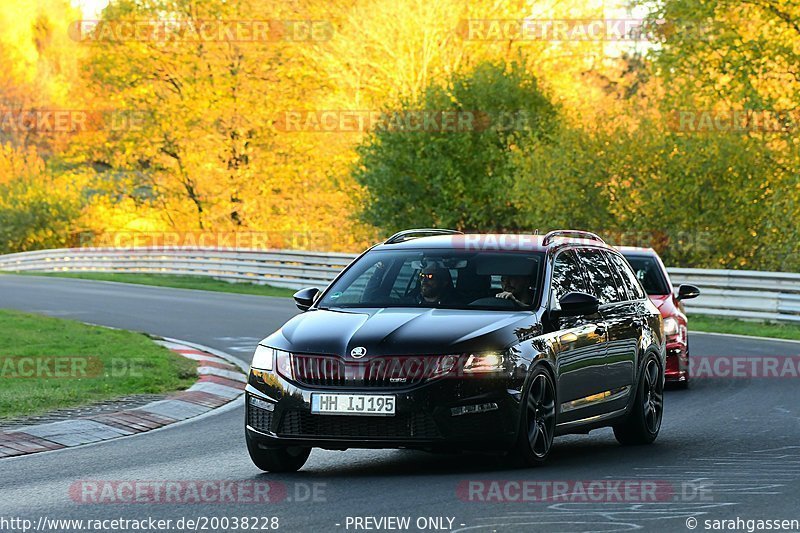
[728, 447]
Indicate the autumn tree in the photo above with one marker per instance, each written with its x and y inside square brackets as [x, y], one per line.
[39, 70]
[733, 67]
[196, 108]
[733, 53]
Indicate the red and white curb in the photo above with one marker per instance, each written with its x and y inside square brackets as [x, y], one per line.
[221, 380]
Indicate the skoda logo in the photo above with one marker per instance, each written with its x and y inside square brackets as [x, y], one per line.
[358, 352]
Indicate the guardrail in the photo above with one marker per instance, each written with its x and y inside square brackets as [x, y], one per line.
[742, 293]
[734, 293]
[281, 268]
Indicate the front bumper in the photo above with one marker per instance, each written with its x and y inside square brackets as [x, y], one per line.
[423, 417]
[677, 370]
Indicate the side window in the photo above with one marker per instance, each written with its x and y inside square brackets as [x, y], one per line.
[629, 279]
[567, 277]
[625, 292]
[601, 279]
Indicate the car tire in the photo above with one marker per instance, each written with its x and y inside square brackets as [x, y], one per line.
[537, 420]
[644, 421]
[283, 459]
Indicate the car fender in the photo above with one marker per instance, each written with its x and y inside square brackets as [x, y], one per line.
[539, 351]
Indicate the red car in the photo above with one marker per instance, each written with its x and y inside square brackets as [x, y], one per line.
[655, 280]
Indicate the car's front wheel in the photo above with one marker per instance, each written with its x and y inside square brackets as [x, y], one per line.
[644, 422]
[538, 424]
[283, 459]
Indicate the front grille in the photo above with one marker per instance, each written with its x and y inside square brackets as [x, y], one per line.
[305, 424]
[259, 419]
[378, 372]
[319, 370]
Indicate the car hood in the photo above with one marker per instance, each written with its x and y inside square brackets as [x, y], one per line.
[665, 304]
[399, 331]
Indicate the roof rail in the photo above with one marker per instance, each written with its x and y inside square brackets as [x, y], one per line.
[408, 234]
[570, 232]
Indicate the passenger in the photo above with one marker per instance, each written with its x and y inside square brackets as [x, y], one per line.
[436, 286]
[517, 289]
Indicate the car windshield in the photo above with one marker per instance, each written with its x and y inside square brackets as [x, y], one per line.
[650, 273]
[450, 279]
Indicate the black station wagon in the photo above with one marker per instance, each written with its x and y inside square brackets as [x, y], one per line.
[441, 341]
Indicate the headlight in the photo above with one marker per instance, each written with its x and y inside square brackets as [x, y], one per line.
[263, 358]
[484, 362]
[671, 326]
[266, 358]
[283, 364]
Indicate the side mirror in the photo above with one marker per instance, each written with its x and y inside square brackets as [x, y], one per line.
[685, 292]
[578, 303]
[304, 298]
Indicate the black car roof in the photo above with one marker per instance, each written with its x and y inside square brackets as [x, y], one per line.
[488, 242]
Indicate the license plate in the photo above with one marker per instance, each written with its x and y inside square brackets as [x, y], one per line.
[353, 404]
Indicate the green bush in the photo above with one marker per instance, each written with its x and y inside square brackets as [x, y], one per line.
[37, 210]
[457, 179]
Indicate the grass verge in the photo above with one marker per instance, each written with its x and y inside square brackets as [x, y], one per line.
[171, 280]
[714, 324]
[50, 363]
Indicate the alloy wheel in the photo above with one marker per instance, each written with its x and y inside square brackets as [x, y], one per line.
[541, 414]
[653, 397]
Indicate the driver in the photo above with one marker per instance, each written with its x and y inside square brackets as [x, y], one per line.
[517, 289]
[436, 286]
